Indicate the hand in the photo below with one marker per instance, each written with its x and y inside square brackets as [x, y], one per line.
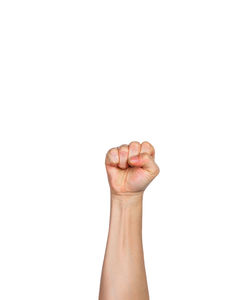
[130, 168]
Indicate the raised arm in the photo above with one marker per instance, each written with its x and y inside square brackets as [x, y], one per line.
[130, 169]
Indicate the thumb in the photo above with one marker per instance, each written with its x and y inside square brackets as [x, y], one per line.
[145, 161]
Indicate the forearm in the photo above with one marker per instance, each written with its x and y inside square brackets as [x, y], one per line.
[123, 274]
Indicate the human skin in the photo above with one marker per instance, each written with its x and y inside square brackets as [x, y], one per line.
[130, 169]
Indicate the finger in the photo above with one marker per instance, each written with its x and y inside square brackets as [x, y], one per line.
[145, 161]
[112, 157]
[146, 147]
[134, 149]
[123, 156]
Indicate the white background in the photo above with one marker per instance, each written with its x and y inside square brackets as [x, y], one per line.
[80, 77]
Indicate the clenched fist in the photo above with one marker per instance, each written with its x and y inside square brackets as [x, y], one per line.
[130, 168]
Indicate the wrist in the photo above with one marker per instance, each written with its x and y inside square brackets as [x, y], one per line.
[127, 196]
[125, 200]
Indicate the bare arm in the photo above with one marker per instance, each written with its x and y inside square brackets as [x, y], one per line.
[130, 169]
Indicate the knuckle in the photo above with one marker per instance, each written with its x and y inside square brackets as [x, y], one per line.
[111, 153]
[147, 143]
[134, 143]
[149, 146]
[123, 147]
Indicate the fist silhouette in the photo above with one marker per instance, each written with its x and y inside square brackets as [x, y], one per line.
[130, 168]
